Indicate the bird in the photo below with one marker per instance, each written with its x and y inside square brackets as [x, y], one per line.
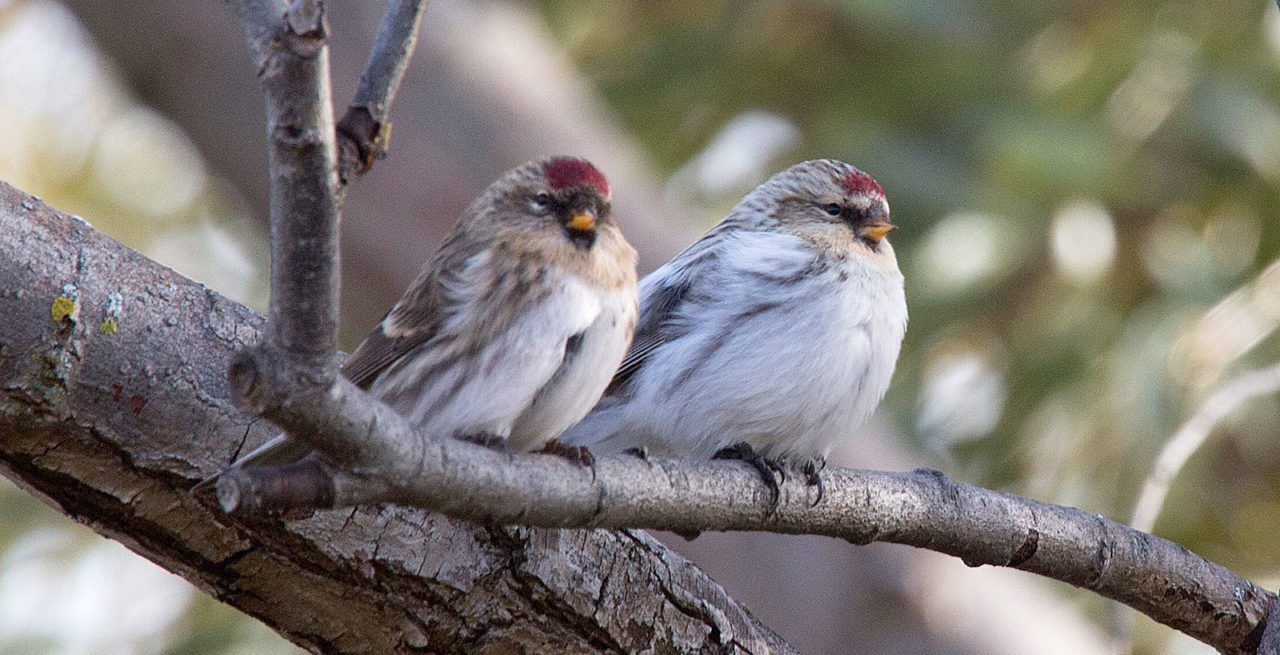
[512, 330]
[771, 338]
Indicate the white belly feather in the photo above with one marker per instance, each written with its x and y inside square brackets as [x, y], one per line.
[577, 384]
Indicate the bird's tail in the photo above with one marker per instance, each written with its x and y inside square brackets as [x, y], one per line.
[604, 431]
[279, 450]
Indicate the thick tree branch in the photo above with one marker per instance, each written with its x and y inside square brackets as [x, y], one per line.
[364, 128]
[115, 402]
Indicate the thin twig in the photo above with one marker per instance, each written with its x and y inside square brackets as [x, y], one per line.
[364, 127]
[1173, 457]
[1192, 435]
[389, 58]
[924, 509]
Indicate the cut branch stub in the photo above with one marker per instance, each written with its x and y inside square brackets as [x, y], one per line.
[307, 26]
[243, 380]
[307, 484]
[362, 140]
[364, 130]
[262, 382]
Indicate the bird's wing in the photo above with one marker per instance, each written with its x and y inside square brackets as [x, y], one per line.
[662, 294]
[656, 306]
[439, 292]
[442, 303]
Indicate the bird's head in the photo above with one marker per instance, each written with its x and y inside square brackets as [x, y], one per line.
[563, 200]
[554, 211]
[829, 202]
[567, 197]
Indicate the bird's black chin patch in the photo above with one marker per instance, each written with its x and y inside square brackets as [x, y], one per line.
[870, 243]
[581, 238]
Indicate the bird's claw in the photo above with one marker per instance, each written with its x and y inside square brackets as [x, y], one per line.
[743, 452]
[812, 470]
[638, 451]
[690, 535]
[580, 455]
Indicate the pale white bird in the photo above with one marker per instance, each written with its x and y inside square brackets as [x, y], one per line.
[772, 338]
[514, 328]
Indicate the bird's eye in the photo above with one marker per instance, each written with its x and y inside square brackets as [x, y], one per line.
[832, 209]
[541, 201]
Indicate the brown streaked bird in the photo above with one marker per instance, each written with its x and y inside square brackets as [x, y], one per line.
[512, 331]
[771, 338]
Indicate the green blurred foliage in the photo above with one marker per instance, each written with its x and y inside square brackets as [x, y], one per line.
[987, 122]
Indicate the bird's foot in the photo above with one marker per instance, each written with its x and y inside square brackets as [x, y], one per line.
[488, 440]
[580, 455]
[638, 451]
[742, 451]
[812, 471]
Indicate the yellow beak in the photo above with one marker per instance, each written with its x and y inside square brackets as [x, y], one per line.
[876, 230]
[582, 221]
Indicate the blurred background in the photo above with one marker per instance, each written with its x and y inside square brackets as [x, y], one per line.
[1088, 196]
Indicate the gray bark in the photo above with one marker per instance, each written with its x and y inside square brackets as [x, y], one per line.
[293, 62]
[113, 410]
[365, 126]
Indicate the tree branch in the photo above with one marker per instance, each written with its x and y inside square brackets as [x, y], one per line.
[364, 128]
[297, 358]
[1192, 434]
[1173, 457]
[114, 401]
[293, 63]
[1159, 578]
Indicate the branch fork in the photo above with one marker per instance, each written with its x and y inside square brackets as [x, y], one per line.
[294, 371]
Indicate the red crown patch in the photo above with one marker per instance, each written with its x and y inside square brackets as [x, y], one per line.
[858, 182]
[562, 172]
